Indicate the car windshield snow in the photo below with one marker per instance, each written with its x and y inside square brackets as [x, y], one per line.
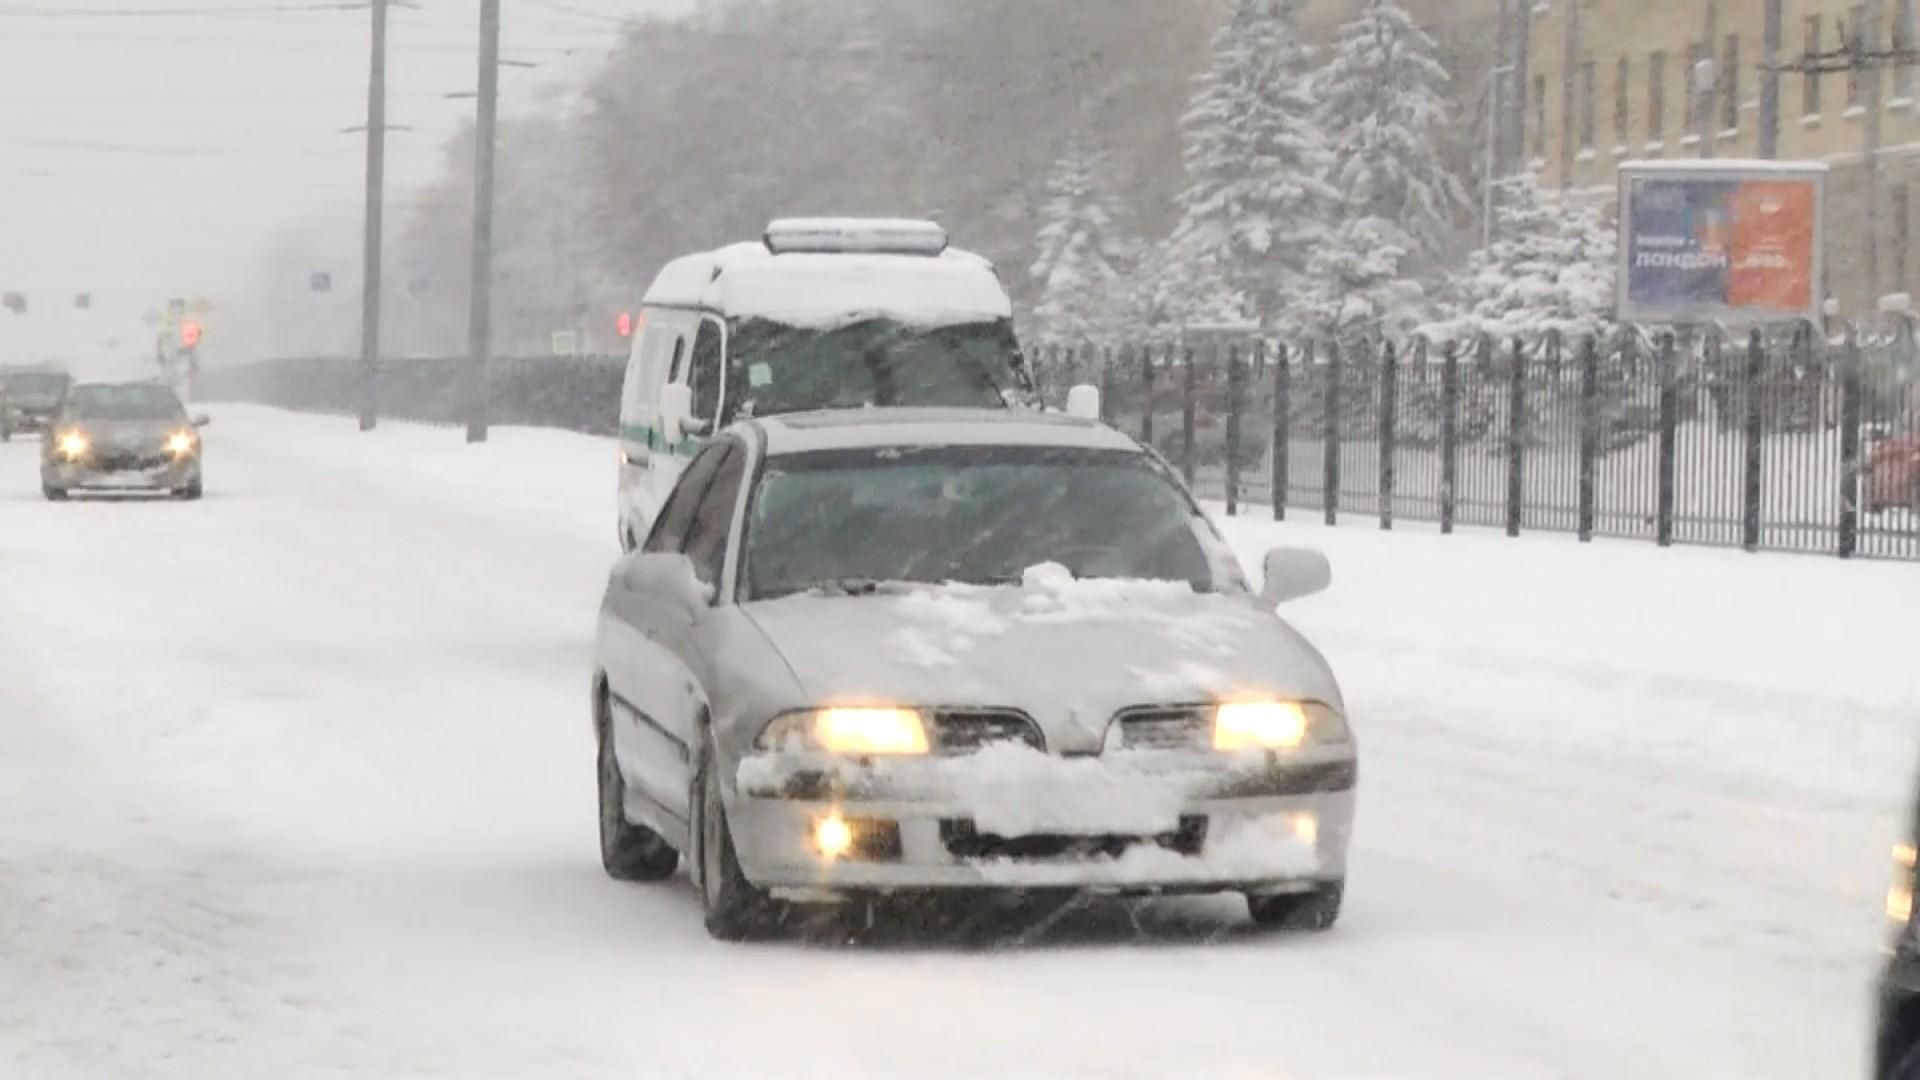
[977, 515]
[786, 369]
[135, 402]
[34, 388]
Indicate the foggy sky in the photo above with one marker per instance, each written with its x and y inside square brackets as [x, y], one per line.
[149, 156]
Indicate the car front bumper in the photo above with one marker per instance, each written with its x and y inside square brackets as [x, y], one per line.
[1133, 822]
[151, 472]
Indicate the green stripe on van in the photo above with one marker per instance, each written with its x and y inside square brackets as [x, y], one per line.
[651, 437]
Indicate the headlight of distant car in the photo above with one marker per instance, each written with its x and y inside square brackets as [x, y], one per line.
[1900, 894]
[859, 730]
[1275, 725]
[74, 445]
[182, 443]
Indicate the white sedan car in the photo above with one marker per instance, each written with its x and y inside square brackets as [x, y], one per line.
[878, 652]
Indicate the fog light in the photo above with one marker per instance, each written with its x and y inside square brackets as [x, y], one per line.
[1306, 827]
[833, 837]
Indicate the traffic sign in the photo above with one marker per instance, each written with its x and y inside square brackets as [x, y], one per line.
[566, 343]
[176, 307]
[320, 281]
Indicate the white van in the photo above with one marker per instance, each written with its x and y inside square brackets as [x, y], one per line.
[821, 314]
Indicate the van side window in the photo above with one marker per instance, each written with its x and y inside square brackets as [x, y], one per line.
[679, 353]
[706, 375]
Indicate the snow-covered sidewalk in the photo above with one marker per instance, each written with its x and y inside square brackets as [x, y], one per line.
[297, 782]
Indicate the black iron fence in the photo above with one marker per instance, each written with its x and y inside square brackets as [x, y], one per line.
[1772, 441]
[1782, 442]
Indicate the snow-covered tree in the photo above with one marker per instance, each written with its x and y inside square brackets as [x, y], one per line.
[1256, 200]
[1384, 107]
[1085, 257]
[1550, 268]
[1362, 285]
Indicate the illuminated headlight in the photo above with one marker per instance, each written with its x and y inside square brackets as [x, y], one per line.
[73, 445]
[1900, 894]
[859, 730]
[181, 443]
[1276, 725]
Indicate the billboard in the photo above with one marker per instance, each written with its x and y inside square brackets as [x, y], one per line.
[1736, 241]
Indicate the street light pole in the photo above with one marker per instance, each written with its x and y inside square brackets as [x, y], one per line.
[480, 310]
[370, 244]
[1496, 78]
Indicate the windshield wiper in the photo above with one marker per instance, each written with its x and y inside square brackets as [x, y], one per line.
[854, 586]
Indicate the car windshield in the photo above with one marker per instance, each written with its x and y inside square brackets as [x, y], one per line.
[133, 402]
[979, 515]
[34, 388]
[785, 369]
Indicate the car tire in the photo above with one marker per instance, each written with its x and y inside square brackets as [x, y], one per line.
[1908, 1066]
[53, 494]
[6, 434]
[191, 491]
[735, 909]
[1317, 909]
[628, 852]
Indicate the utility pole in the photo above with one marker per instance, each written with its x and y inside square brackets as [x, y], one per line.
[1870, 88]
[1770, 79]
[1569, 63]
[375, 225]
[480, 309]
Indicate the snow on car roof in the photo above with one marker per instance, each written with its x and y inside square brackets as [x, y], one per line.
[854, 429]
[825, 290]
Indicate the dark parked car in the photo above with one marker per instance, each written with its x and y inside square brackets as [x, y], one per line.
[28, 400]
[122, 436]
[1897, 1045]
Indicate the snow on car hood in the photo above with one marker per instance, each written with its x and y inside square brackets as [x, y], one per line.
[1068, 653]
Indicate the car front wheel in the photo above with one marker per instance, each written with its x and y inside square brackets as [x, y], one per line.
[735, 909]
[53, 494]
[628, 852]
[1317, 909]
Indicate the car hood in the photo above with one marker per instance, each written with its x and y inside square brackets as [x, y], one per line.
[129, 432]
[1069, 654]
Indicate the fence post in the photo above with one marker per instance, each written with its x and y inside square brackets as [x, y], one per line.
[1669, 436]
[1389, 407]
[1146, 383]
[1516, 437]
[1589, 432]
[1282, 426]
[1330, 437]
[1449, 433]
[1850, 408]
[1750, 491]
[1189, 388]
[1233, 429]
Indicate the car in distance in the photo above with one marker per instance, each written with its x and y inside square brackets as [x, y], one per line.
[1897, 1041]
[28, 399]
[122, 437]
[877, 652]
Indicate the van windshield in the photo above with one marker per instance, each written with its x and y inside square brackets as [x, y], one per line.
[785, 369]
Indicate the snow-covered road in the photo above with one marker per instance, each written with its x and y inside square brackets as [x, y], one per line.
[297, 782]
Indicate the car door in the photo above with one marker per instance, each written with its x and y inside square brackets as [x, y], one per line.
[665, 463]
[652, 696]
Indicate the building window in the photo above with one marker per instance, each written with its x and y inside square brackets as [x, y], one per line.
[1696, 94]
[1657, 96]
[1857, 42]
[1810, 89]
[1540, 116]
[1622, 74]
[1902, 234]
[1587, 80]
[1730, 85]
[1903, 28]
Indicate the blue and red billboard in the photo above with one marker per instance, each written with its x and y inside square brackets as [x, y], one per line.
[1732, 241]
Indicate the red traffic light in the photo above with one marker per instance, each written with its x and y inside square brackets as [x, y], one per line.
[189, 334]
[625, 324]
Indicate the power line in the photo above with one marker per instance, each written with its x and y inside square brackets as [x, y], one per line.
[314, 7]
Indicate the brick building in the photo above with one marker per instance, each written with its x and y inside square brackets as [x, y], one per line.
[1611, 80]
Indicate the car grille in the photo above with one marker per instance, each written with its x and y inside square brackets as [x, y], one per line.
[1166, 728]
[965, 841]
[130, 459]
[964, 731]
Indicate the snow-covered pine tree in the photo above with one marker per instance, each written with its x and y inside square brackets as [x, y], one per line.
[1384, 107]
[1551, 268]
[1363, 288]
[1256, 198]
[1086, 256]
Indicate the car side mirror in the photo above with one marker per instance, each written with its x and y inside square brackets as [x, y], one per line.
[665, 576]
[1083, 401]
[676, 408]
[202, 420]
[1294, 573]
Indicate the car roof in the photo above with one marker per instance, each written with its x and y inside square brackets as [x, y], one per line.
[854, 429]
[808, 288]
